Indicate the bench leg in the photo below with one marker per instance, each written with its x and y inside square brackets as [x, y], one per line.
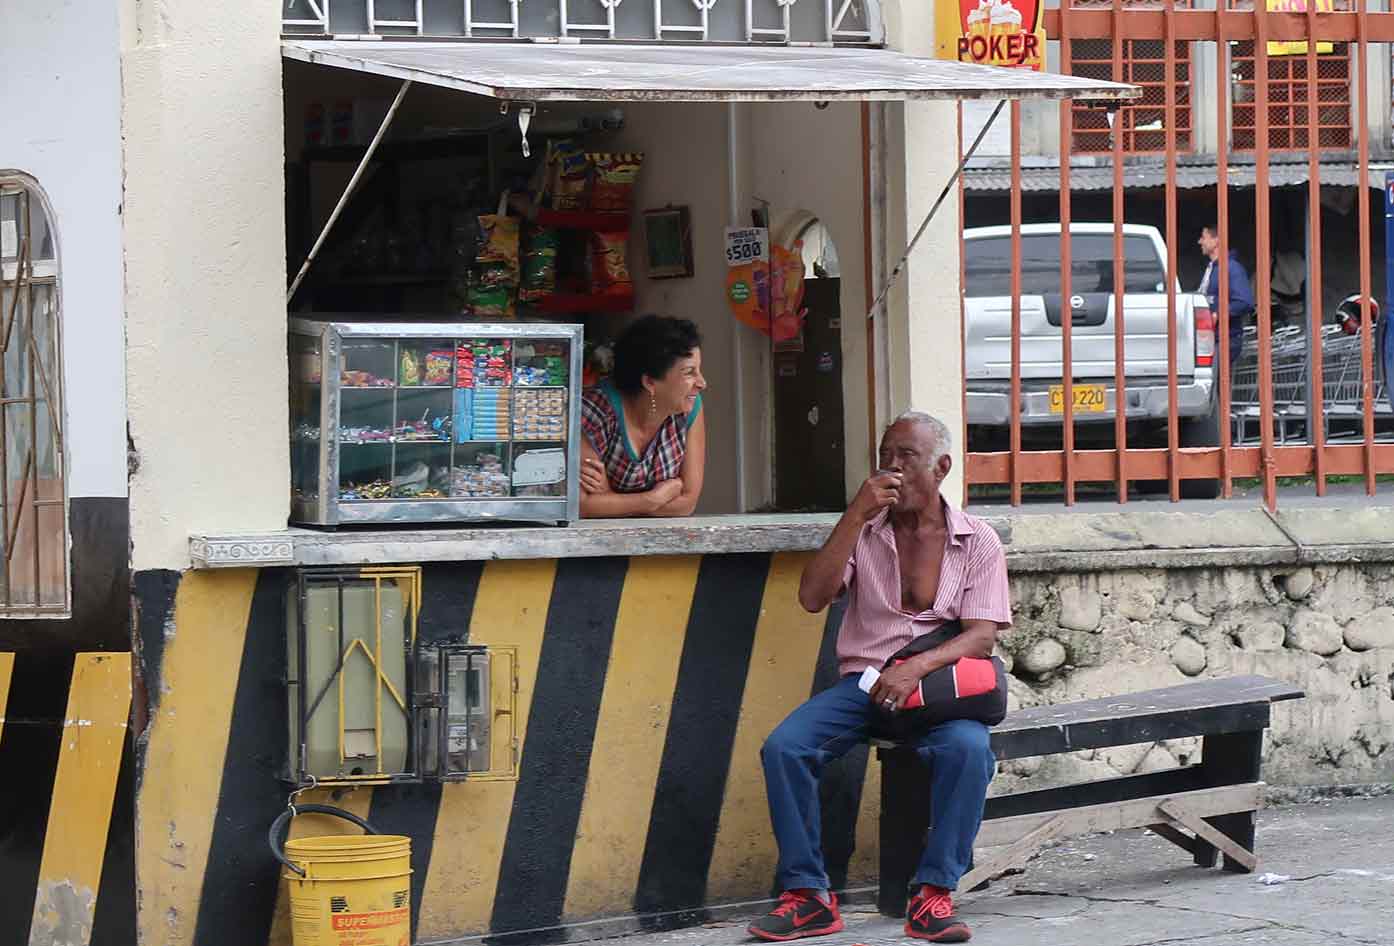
[1230, 759]
[905, 790]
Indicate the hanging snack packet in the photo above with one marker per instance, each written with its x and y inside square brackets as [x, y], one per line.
[500, 244]
[492, 275]
[609, 263]
[539, 265]
[493, 301]
[569, 175]
[612, 189]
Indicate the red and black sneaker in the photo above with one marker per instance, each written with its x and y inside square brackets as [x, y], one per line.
[931, 916]
[799, 914]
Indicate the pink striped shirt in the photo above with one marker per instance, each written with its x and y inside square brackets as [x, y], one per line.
[972, 586]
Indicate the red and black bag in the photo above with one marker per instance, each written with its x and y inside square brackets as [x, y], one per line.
[972, 688]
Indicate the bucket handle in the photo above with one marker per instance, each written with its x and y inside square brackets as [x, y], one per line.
[275, 837]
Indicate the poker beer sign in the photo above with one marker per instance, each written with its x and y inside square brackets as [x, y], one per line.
[992, 32]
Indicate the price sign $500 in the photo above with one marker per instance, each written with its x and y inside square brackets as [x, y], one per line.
[744, 246]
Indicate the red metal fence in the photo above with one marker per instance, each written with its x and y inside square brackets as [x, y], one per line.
[1324, 87]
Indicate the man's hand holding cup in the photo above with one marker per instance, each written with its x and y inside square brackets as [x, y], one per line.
[880, 491]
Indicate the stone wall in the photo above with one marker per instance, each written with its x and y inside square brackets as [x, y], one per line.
[1327, 628]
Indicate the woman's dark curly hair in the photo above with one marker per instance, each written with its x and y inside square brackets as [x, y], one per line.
[651, 346]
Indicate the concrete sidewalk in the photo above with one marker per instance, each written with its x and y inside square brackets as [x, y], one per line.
[1134, 889]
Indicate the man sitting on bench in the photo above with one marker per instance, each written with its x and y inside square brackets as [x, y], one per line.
[908, 563]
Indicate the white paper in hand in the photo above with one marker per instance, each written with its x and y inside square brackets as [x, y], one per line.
[869, 677]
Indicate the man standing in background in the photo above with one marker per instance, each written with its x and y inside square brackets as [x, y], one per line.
[1241, 293]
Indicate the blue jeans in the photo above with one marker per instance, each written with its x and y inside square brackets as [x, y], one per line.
[826, 728]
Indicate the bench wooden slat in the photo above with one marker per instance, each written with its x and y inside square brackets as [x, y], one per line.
[1104, 791]
[1116, 816]
[1203, 694]
[1141, 727]
[1227, 704]
[1206, 707]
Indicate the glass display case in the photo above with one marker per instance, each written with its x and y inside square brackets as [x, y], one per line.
[434, 422]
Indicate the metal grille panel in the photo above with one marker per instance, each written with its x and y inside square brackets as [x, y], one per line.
[854, 22]
[33, 498]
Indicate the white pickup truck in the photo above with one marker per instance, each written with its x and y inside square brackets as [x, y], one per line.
[988, 341]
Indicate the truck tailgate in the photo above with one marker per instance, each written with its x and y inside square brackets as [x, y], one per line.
[988, 339]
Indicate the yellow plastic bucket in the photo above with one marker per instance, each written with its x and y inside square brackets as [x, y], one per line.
[355, 890]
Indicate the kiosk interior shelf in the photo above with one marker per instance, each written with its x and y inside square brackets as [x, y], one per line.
[434, 422]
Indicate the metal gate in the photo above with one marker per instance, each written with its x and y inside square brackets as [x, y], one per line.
[1293, 79]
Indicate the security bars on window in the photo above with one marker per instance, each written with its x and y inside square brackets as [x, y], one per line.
[855, 22]
[33, 497]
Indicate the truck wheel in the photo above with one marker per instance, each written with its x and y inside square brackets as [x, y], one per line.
[1201, 432]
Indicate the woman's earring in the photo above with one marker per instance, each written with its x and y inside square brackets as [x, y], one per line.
[653, 403]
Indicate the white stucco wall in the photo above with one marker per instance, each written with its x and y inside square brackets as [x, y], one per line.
[809, 159]
[925, 345]
[795, 158]
[61, 107]
[205, 272]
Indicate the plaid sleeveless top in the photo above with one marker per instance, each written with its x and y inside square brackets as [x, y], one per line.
[602, 421]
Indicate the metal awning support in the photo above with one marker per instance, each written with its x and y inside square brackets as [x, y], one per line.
[924, 224]
[348, 191]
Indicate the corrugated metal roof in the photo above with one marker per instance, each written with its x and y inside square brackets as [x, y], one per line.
[579, 73]
[1188, 176]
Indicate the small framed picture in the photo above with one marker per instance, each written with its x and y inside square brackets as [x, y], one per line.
[668, 242]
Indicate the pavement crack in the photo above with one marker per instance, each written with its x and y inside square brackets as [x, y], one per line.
[1091, 898]
[1214, 933]
[1028, 916]
[1158, 904]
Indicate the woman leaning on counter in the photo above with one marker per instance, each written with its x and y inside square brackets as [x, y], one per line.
[645, 444]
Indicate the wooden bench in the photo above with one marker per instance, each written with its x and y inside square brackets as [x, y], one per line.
[1214, 800]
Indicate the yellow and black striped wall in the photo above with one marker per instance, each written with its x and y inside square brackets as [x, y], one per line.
[646, 687]
[67, 863]
[67, 845]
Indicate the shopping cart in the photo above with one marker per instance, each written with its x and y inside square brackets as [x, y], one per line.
[1342, 397]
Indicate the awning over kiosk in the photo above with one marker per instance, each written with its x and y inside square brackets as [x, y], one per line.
[540, 72]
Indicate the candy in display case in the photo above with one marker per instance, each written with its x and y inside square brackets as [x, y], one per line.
[434, 422]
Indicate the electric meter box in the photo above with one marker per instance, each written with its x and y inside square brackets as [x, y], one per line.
[371, 703]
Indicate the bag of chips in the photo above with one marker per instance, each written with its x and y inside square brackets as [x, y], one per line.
[500, 244]
[411, 369]
[609, 263]
[438, 367]
[495, 274]
[493, 301]
[568, 175]
[539, 265]
[612, 186]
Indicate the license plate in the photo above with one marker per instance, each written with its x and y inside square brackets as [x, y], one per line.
[1089, 398]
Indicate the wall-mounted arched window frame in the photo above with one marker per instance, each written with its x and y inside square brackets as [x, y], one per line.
[33, 496]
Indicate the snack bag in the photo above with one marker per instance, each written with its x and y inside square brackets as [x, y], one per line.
[438, 367]
[612, 187]
[500, 244]
[569, 175]
[410, 375]
[539, 265]
[495, 301]
[609, 263]
[495, 275]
